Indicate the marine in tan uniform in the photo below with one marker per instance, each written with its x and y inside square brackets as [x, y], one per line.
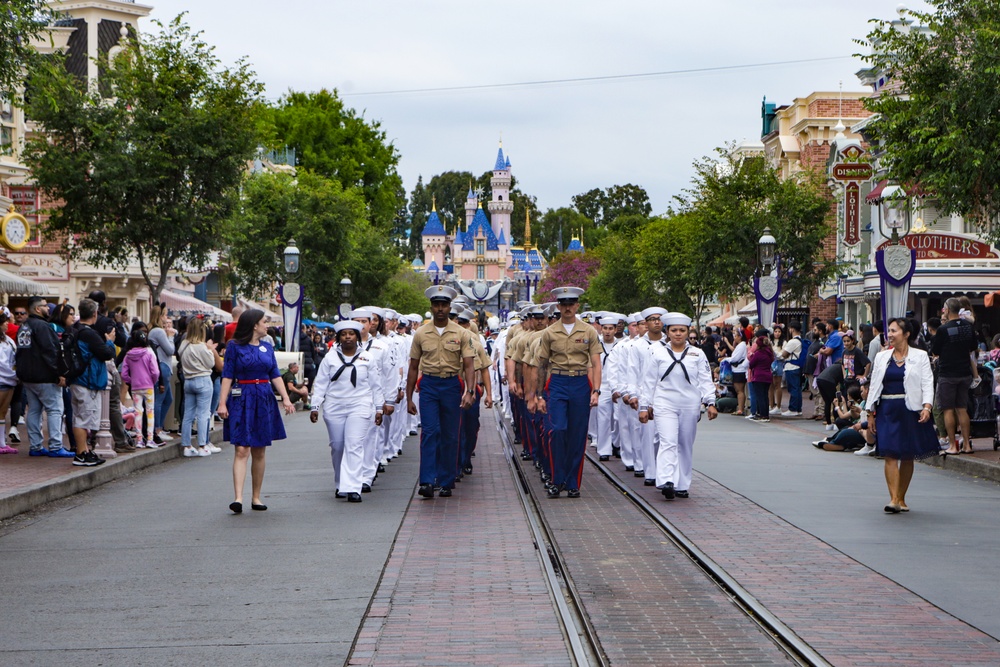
[440, 352]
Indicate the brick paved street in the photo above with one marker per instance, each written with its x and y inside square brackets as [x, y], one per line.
[463, 585]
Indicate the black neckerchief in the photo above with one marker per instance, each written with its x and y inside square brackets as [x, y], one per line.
[676, 360]
[606, 353]
[347, 364]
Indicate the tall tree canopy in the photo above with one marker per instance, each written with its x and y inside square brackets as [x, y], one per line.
[336, 142]
[604, 206]
[552, 233]
[730, 203]
[21, 21]
[937, 120]
[152, 173]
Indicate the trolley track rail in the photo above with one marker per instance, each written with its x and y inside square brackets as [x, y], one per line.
[574, 616]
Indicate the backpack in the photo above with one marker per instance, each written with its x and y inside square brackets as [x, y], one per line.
[71, 362]
[803, 354]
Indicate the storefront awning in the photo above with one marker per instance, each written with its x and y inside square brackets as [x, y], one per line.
[273, 316]
[14, 285]
[184, 304]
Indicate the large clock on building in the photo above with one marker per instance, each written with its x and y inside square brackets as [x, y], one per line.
[14, 231]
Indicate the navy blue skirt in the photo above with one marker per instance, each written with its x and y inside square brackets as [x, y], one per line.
[900, 433]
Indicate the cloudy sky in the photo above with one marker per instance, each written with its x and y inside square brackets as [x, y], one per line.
[565, 137]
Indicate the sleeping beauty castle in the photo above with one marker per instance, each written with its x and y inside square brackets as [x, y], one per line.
[482, 262]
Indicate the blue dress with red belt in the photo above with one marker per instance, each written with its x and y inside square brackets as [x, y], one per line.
[254, 418]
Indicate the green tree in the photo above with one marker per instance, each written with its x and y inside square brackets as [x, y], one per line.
[731, 202]
[669, 255]
[21, 22]
[318, 213]
[150, 175]
[604, 206]
[419, 208]
[404, 292]
[336, 142]
[619, 285]
[937, 119]
[560, 225]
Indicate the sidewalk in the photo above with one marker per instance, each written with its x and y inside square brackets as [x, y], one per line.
[983, 463]
[29, 481]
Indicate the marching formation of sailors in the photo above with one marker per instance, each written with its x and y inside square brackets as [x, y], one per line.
[562, 379]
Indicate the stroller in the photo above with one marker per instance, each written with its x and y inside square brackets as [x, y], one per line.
[983, 406]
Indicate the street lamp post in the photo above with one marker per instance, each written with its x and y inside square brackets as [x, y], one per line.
[346, 289]
[291, 298]
[767, 287]
[896, 262]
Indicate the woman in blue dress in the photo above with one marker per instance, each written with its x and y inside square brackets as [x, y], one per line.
[900, 398]
[246, 403]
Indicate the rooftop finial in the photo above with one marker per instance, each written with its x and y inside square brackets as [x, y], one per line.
[527, 228]
[434, 204]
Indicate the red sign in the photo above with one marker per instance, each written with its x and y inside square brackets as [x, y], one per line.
[945, 246]
[852, 214]
[851, 172]
[25, 198]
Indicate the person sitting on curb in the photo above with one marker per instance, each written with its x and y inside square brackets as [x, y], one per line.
[296, 390]
[851, 421]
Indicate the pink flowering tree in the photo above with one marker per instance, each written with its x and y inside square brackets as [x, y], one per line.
[569, 268]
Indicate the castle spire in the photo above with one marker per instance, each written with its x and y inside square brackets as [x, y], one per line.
[527, 229]
[434, 204]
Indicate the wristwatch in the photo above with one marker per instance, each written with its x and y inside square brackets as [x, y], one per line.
[470, 391]
[596, 391]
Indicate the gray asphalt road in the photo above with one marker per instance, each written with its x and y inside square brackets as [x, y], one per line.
[945, 549]
[154, 569]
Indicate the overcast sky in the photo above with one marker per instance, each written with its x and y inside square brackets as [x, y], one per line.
[562, 138]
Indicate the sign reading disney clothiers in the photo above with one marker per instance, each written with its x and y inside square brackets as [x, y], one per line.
[946, 246]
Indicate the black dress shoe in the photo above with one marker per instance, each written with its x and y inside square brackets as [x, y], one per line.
[517, 440]
[629, 468]
[399, 452]
[467, 470]
[413, 432]
[458, 477]
[553, 492]
[338, 494]
[639, 473]
[681, 494]
[525, 456]
[444, 493]
[426, 490]
[603, 457]
[538, 465]
[649, 482]
[354, 497]
[366, 488]
[381, 467]
[668, 491]
[616, 452]
[573, 493]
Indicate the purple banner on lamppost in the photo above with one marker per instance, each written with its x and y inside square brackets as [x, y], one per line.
[895, 265]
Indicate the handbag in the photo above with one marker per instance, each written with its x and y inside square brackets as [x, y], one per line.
[778, 367]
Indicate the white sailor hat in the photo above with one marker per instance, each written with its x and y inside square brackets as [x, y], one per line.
[634, 318]
[619, 316]
[440, 293]
[347, 324]
[361, 313]
[654, 310]
[613, 321]
[676, 319]
[391, 314]
[567, 294]
[375, 310]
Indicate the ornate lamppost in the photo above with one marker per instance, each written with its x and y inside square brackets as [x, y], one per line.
[895, 262]
[767, 287]
[346, 289]
[291, 298]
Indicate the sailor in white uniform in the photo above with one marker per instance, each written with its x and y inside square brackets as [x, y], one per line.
[676, 383]
[605, 408]
[348, 392]
[628, 419]
[646, 441]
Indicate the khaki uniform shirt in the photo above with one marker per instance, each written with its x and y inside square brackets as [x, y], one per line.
[512, 334]
[443, 354]
[482, 359]
[523, 346]
[569, 352]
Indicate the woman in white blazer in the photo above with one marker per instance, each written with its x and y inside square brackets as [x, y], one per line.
[899, 408]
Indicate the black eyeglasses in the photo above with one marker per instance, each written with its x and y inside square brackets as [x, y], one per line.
[20, 312]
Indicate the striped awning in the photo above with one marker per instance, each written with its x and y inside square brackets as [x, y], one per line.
[14, 285]
[184, 304]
